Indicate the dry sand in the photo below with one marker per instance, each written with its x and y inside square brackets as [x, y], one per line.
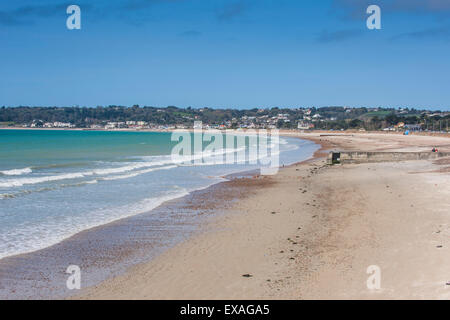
[311, 231]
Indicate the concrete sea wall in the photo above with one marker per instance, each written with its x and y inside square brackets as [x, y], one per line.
[366, 157]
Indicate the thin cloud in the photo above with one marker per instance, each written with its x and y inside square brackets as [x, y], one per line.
[438, 9]
[357, 8]
[338, 36]
[432, 33]
[25, 15]
[6, 19]
[40, 10]
[133, 5]
[231, 10]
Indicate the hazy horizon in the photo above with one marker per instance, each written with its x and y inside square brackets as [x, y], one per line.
[238, 108]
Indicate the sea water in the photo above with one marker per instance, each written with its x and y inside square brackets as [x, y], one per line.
[56, 183]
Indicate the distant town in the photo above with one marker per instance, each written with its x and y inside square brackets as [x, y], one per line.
[302, 118]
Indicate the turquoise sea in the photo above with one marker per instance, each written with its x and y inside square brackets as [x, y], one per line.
[54, 184]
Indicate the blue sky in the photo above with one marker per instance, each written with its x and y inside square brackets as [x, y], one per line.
[226, 53]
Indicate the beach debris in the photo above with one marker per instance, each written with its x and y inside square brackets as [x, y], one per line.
[281, 251]
[448, 283]
[273, 212]
[439, 246]
[247, 275]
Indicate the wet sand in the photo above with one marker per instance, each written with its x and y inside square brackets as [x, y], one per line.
[109, 250]
[311, 232]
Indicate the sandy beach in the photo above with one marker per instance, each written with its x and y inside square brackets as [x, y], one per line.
[186, 153]
[311, 232]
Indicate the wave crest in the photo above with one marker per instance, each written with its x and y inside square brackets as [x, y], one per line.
[16, 172]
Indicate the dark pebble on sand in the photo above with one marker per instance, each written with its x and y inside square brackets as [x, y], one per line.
[247, 275]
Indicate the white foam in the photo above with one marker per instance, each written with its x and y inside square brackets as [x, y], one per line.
[30, 237]
[16, 172]
[134, 174]
[108, 171]
[23, 181]
[155, 161]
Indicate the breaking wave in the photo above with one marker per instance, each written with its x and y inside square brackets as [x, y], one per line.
[16, 172]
